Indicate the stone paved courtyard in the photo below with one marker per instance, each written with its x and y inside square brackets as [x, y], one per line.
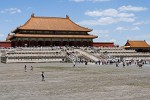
[84, 82]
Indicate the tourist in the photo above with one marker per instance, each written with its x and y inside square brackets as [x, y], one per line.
[74, 63]
[99, 62]
[32, 68]
[86, 62]
[42, 76]
[123, 64]
[25, 68]
[117, 64]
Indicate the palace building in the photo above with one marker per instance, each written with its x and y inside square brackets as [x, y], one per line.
[50, 31]
[140, 46]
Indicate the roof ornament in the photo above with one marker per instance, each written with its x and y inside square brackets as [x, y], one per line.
[67, 16]
[32, 15]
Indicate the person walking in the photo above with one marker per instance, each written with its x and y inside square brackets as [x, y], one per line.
[117, 64]
[25, 68]
[42, 76]
[86, 62]
[123, 64]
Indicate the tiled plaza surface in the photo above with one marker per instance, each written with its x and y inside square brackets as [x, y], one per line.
[84, 82]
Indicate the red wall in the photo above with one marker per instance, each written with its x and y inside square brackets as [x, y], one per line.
[5, 44]
[103, 44]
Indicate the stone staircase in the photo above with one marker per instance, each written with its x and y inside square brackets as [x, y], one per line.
[72, 57]
[87, 55]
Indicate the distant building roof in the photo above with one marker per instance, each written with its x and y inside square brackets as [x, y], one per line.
[8, 37]
[136, 44]
[52, 23]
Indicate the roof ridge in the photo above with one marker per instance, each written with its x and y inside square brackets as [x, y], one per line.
[136, 40]
[48, 17]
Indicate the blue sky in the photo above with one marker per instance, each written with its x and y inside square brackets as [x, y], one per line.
[112, 20]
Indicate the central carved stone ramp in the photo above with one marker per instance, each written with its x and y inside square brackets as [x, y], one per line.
[87, 55]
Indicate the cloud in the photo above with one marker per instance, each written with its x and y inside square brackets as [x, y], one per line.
[97, 32]
[105, 21]
[108, 13]
[126, 15]
[111, 20]
[125, 28]
[1, 35]
[132, 8]
[90, 0]
[112, 16]
[112, 40]
[121, 28]
[11, 11]
[141, 23]
[106, 35]
[135, 28]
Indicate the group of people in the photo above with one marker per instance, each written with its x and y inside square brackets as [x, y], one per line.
[25, 68]
[42, 75]
[139, 63]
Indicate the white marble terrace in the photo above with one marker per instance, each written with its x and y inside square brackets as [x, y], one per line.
[60, 54]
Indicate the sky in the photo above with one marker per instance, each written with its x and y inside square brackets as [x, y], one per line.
[111, 20]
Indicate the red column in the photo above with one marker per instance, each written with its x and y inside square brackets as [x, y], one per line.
[44, 43]
[90, 44]
[36, 43]
[13, 44]
[21, 42]
[75, 43]
[16, 43]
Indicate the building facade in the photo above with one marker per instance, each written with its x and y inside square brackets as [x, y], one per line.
[50, 31]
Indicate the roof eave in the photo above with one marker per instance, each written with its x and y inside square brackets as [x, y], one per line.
[88, 30]
[71, 36]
